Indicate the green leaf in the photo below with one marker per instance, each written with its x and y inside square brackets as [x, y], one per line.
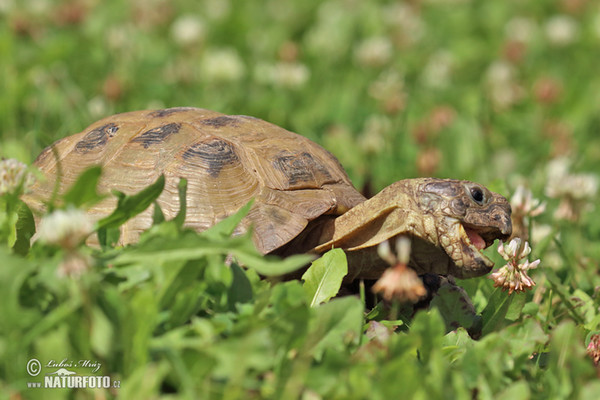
[108, 237]
[83, 193]
[428, 327]
[25, 229]
[494, 314]
[130, 206]
[324, 278]
[182, 188]
[193, 246]
[517, 391]
[455, 307]
[240, 290]
[337, 325]
[226, 227]
[157, 215]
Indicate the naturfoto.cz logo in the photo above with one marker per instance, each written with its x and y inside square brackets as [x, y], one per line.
[65, 378]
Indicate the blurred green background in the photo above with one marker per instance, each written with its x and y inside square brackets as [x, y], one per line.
[479, 90]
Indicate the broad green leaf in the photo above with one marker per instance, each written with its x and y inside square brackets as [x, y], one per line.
[337, 325]
[494, 314]
[130, 206]
[516, 306]
[83, 192]
[323, 279]
[455, 307]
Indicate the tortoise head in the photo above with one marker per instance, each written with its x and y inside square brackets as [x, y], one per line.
[462, 218]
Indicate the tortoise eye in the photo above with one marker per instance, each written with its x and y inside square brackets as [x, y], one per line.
[477, 195]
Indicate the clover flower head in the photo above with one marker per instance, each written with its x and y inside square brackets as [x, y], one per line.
[522, 29]
[593, 349]
[575, 190]
[66, 228]
[14, 175]
[73, 265]
[399, 281]
[188, 30]
[284, 74]
[222, 65]
[561, 30]
[513, 276]
[523, 203]
[374, 52]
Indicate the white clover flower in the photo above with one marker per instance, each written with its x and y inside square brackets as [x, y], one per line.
[438, 70]
[97, 106]
[6, 6]
[500, 72]
[291, 75]
[374, 52]
[120, 37]
[188, 30]
[521, 29]
[66, 228]
[388, 84]
[523, 203]
[513, 276]
[40, 7]
[593, 349]
[217, 9]
[574, 190]
[399, 281]
[222, 65]
[405, 19]
[561, 30]
[502, 85]
[372, 139]
[14, 175]
[74, 265]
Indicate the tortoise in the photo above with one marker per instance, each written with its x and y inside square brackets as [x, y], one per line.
[304, 200]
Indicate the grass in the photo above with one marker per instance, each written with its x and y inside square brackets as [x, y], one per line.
[502, 93]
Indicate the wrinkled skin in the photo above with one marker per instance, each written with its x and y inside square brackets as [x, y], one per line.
[449, 222]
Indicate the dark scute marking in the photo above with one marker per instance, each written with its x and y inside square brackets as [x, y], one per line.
[168, 111]
[221, 121]
[300, 167]
[156, 135]
[96, 138]
[215, 154]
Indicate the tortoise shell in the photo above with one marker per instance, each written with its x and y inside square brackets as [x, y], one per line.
[227, 160]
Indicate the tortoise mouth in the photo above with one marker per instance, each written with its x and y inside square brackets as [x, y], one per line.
[482, 237]
[471, 262]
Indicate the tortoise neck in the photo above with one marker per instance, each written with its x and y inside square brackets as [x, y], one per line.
[371, 222]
